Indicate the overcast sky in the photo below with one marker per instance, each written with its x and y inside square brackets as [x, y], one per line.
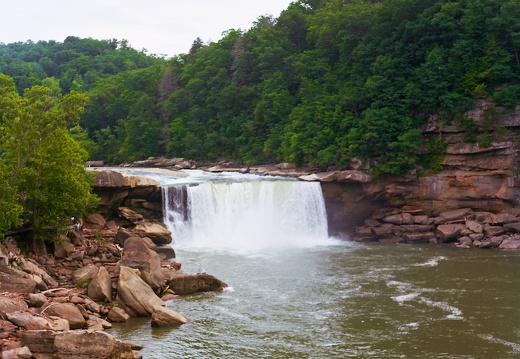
[166, 27]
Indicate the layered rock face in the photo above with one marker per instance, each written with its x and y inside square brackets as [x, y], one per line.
[481, 176]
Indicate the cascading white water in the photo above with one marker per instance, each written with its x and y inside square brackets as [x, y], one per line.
[246, 215]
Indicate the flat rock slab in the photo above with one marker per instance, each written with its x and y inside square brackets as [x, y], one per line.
[15, 281]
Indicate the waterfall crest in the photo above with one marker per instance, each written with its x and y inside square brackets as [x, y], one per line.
[252, 214]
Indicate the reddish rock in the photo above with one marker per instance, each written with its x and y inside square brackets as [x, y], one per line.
[513, 227]
[156, 232]
[100, 287]
[418, 237]
[96, 220]
[492, 242]
[10, 305]
[449, 232]
[137, 255]
[510, 244]
[77, 344]
[458, 214]
[163, 317]
[118, 315]
[135, 295]
[192, 283]
[66, 311]
[15, 281]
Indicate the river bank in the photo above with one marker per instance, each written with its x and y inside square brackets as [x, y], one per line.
[57, 299]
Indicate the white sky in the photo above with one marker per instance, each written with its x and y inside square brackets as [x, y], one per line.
[166, 27]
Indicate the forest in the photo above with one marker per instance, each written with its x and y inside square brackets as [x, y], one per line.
[326, 83]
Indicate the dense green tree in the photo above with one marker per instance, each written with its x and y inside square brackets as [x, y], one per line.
[327, 82]
[43, 178]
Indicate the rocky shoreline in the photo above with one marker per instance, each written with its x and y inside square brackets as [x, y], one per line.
[59, 302]
[464, 228]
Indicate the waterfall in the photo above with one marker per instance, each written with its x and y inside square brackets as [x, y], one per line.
[249, 214]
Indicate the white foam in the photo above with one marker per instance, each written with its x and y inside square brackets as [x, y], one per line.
[406, 297]
[455, 313]
[431, 263]
[491, 338]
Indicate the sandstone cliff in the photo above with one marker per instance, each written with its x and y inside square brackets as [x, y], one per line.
[480, 174]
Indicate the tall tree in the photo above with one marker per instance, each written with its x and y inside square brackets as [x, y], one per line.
[43, 177]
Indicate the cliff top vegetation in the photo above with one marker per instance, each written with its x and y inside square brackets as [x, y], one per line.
[326, 82]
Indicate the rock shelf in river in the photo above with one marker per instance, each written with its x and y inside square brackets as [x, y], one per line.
[463, 227]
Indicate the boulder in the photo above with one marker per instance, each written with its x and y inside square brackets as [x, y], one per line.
[122, 235]
[4, 255]
[421, 219]
[510, 244]
[95, 323]
[92, 306]
[32, 322]
[474, 226]
[36, 299]
[117, 315]
[383, 230]
[96, 220]
[492, 242]
[77, 238]
[321, 176]
[66, 311]
[140, 181]
[10, 305]
[503, 218]
[394, 219]
[78, 344]
[157, 233]
[354, 176]
[137, 255]
[100, 287]
[40, 283]
[513, 227]
[417, 228]
[192, 283]
[84, 275]
[418, 237]
[130, 215]
[450, 232]
[467, 241]
[163, 317]
[29, 266]
[15, 281]
[108, 178]
[17, 353]
[134, 295]
[454, 215]
[492, 231]
[63, 248]
[165, 252]
[408, 218]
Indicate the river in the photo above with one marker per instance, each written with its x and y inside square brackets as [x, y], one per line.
[324, 298]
